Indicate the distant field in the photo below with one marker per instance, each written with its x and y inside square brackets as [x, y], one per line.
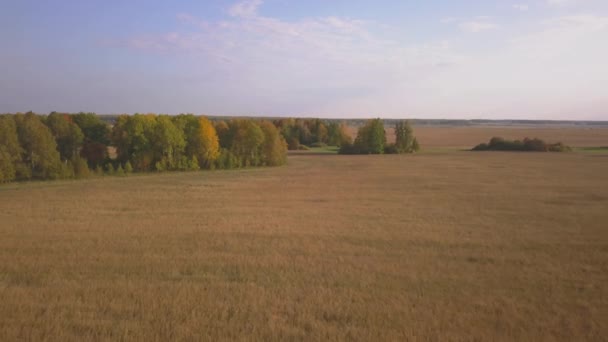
[445, 246]
[469, 136]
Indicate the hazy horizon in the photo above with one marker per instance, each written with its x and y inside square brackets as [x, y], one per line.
[473, 59]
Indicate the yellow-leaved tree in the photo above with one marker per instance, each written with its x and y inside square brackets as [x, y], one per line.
[208, 144]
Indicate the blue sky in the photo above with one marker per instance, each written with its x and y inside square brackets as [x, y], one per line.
[535, 59]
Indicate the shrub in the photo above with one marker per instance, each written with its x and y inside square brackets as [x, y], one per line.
[391, 149]
[109, 169]
[81, 167]
[128, 168]
[120, 171]
[531, 145]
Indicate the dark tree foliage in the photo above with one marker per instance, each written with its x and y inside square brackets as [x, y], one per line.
[96, 138]
[311, 132]
[68, 135]
[371, 138]
[40, 154]
[93, 128]
[527, 145]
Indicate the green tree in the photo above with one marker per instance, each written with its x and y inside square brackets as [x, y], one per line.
[244, 141]
[39, 147]
[81, 167]
[92, 127]
[274, 147]
[319, 131]
[10, 151]
[189, 125]
[168, 143]
[337, 134]
[96, 138]
[68, 135]
[371, 138]
[405, 142]
[120, 171]
[110, 169]
[128, 168]
[133, 137]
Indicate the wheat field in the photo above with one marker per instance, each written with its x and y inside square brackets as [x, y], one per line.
[441, 246]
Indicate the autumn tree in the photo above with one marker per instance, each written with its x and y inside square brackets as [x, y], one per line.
[274, 147]
[207, 143]
[338, 135]
[318, 129]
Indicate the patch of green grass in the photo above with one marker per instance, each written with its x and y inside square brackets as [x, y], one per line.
[325, 150]
[592, 149]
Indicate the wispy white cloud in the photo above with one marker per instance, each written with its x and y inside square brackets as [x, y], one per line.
[245, 9]
[472, 25]
[521, 7]
[476, 26]
[338, 66]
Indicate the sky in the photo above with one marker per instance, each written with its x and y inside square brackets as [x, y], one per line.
[461, 59]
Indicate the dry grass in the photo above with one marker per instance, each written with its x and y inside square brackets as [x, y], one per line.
[454, 246]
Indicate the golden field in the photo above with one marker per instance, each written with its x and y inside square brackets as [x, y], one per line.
[447, 245]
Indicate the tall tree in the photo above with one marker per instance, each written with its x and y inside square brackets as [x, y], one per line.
[96, 138]
[168, 143]
[39, 147]
[68, 135]
[208, 143]
[133, 137]
[405, 142]
[337, 134]
[371, 138]
[10, 151]
[245, 141]
[274, 147]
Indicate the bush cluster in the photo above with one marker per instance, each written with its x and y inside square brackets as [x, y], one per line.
[371, 139]
[526, 145]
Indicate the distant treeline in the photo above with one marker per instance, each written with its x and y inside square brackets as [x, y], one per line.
[371, 139]
[60, 146]
[312, 133]
[350, 122]
[530, 145]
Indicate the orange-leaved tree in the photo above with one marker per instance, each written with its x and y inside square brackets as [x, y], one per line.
[208, 143]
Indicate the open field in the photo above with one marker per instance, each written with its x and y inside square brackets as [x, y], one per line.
[460, 246]
[465, 137]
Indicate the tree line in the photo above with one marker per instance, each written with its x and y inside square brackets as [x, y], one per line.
[371, 139]
[59, 146]
[526, 145]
